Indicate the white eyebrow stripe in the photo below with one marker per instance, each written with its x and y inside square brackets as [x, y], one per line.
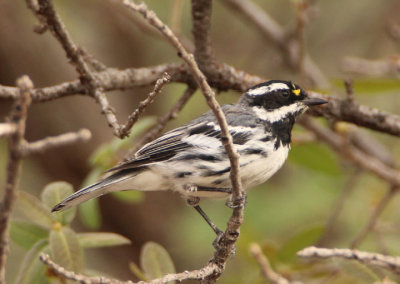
[270, 88]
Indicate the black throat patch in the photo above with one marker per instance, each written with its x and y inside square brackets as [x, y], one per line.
[281, 131]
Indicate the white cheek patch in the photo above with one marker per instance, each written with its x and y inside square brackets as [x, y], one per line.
[279, 113]
[265, 89]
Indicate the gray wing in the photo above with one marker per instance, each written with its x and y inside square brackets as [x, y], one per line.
[173, 142]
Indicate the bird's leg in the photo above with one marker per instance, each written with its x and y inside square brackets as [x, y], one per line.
[194, 201]
[215, 189]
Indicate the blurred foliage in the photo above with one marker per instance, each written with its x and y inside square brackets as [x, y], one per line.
[289, 211]
[50, 233]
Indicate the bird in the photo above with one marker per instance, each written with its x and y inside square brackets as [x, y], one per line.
[191, 159]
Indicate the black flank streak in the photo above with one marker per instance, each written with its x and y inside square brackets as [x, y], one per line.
[218, 181]
[183, 174]
[256, 151]
[216, 173]
[203, 157]
[201, 129]
[240, 138]
[266, 138]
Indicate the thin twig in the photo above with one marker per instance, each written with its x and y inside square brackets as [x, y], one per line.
[266, 268]
[124, 129]
[162, 122]
[18, 117]
[390, 263]
[374, 217]
[67, 274]
[47, 143]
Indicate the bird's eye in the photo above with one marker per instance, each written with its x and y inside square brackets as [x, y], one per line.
[285, 93]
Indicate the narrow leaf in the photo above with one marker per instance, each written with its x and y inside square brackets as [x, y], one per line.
[65, 249]
[155, 261]
[32, 270]
[35, 210]
[92, 240]
[53, 194]
[137, 271]
[26, 234]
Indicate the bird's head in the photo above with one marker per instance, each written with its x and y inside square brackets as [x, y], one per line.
[277, 99]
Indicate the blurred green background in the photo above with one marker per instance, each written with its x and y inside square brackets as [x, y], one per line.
[287, 213]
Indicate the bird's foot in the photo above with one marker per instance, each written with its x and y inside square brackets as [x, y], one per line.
[240, 202]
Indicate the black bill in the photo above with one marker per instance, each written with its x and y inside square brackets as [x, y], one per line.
[314, 101]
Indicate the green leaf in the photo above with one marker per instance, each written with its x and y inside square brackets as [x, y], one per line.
[316, 157]
[26, 234]
[65, 249]
[32, 270]
[129, 196]
[35, 210]
[92, 240]
[53, 194]
[302, 239]
[155, 261]
[89, 213]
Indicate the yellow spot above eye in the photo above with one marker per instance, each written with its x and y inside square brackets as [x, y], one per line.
[296, 92]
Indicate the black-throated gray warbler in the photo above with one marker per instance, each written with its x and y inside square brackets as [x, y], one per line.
[191, 159]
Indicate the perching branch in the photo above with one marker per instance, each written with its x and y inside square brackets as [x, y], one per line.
[227, 241]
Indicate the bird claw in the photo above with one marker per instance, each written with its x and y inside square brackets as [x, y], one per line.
[215, 243]
[240, 202]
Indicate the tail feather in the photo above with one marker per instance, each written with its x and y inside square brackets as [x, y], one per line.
[94, 190]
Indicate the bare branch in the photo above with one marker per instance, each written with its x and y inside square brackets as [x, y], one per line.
[341, 109]
[266, 268]
[390, 263]
[374, 217]
[110, 79]
[18, 117]
[47, 143]
[7, 129]
[186, 275]
[376, 68]
[201, 15]
[124, 129]
[162, 122]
